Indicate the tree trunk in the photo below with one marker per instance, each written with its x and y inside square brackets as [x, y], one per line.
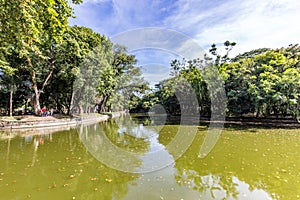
[103, 103]
[258, 112]
[37, 107]
[71, 99]
[80, 108]
[11, 101]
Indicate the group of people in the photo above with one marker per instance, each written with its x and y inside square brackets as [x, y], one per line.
[45, 113]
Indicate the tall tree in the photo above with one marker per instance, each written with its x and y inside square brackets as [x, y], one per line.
[264, 82]
[69, 55]
[25, 25]
[95, 71]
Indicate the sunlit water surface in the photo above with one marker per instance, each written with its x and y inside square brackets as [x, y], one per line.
[246, 163]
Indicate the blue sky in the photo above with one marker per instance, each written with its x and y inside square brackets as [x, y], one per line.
[250, 23]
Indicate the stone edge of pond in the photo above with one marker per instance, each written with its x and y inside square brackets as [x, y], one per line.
[64, 123]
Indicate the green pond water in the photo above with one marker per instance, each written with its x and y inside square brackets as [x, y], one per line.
[130, 158]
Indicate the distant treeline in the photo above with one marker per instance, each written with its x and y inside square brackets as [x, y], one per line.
[260, 83]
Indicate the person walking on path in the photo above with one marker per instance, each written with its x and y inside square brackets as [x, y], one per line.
[44, 111]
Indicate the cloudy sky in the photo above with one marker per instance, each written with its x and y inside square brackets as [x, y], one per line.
[250, 23]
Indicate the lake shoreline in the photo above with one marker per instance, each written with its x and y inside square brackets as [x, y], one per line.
[241, 122]
[62, 122]
[29, 122]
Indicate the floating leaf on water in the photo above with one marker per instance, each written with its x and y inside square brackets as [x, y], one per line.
[83, 163]
[61, 169]
[108, 180]
[283, 170]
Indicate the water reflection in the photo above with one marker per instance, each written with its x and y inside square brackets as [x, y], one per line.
[258, 163]
[56, 166]
[125, 145]
[245, 164]
[219, 187]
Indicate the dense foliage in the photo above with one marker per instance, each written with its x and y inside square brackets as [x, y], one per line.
[264, 82]
[30, 29]
[259, 83]
[42, 59]
[44, 62]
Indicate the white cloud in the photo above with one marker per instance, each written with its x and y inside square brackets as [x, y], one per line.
[155, 72]
[251, 23]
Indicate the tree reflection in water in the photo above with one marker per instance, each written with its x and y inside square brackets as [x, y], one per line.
[242, 164]
[57, 166]
[126, 145]
[127, 135]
